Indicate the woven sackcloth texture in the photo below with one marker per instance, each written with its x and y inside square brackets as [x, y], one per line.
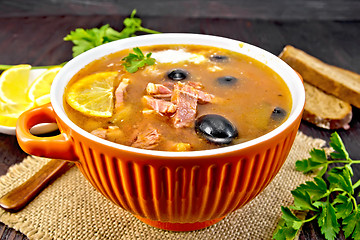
[70, 208]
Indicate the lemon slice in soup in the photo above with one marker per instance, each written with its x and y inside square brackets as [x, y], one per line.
[93, 95]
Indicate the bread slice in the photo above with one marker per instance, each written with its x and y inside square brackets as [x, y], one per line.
[339, 82]
[324, 110]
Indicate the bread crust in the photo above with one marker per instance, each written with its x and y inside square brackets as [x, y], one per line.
[339, 82]
[326, 122]
[324, 110]
[327, 98]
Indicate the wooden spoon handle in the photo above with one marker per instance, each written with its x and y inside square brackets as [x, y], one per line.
[20, 196]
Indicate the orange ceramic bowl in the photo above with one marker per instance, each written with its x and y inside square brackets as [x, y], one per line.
[178, 191]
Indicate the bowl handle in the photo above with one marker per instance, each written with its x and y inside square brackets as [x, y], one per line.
[59, 146]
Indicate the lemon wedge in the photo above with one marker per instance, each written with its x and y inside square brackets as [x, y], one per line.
[9, 112]
[41, 86]
[14, 84]
[93, 95]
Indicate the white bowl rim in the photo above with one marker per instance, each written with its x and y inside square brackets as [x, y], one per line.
[291, 78]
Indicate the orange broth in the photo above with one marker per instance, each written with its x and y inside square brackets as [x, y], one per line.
[248, 103]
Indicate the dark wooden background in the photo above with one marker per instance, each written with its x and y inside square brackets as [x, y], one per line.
[240, 9]
[32, 32]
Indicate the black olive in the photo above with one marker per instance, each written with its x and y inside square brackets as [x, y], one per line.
[219, 58]
[278, 114]
[178, 74]
[227, 80]
[215, 128]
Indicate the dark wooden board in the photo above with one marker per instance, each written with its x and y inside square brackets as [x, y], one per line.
[38, 41]
[239, 9]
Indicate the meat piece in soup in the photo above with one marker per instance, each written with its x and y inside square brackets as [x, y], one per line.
[193, 98]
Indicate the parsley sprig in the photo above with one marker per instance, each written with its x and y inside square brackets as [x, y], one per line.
[137, 60]
[331, 214]
[85, 39]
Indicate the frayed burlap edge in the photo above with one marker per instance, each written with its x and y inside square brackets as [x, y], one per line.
[19, 173]
[16, 175]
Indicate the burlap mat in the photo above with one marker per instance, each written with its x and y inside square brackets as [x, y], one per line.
[70, 208]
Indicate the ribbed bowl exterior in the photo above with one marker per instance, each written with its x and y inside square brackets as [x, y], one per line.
[172, 191]
[182, 190]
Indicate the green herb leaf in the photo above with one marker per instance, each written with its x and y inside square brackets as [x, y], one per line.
[284, 232]
[315, 195]
[340, 177]
[339, 147]
[288, 216]
[352, 225]
[137, 60]
[302, 200]
[317, 160]
[327, 221]
[291, 219]
[343, 206]
[85, 39]
[138, 53]
[316, 189]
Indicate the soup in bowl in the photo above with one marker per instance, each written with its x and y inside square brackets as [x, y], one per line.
[178, 129]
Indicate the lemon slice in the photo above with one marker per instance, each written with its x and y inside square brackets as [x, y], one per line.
[14, 84]
[9, 112]
[42, 84]
[93, 94]
[8, 120]
[42, 100]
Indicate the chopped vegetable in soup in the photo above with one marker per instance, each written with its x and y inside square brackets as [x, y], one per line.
[192, 98]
